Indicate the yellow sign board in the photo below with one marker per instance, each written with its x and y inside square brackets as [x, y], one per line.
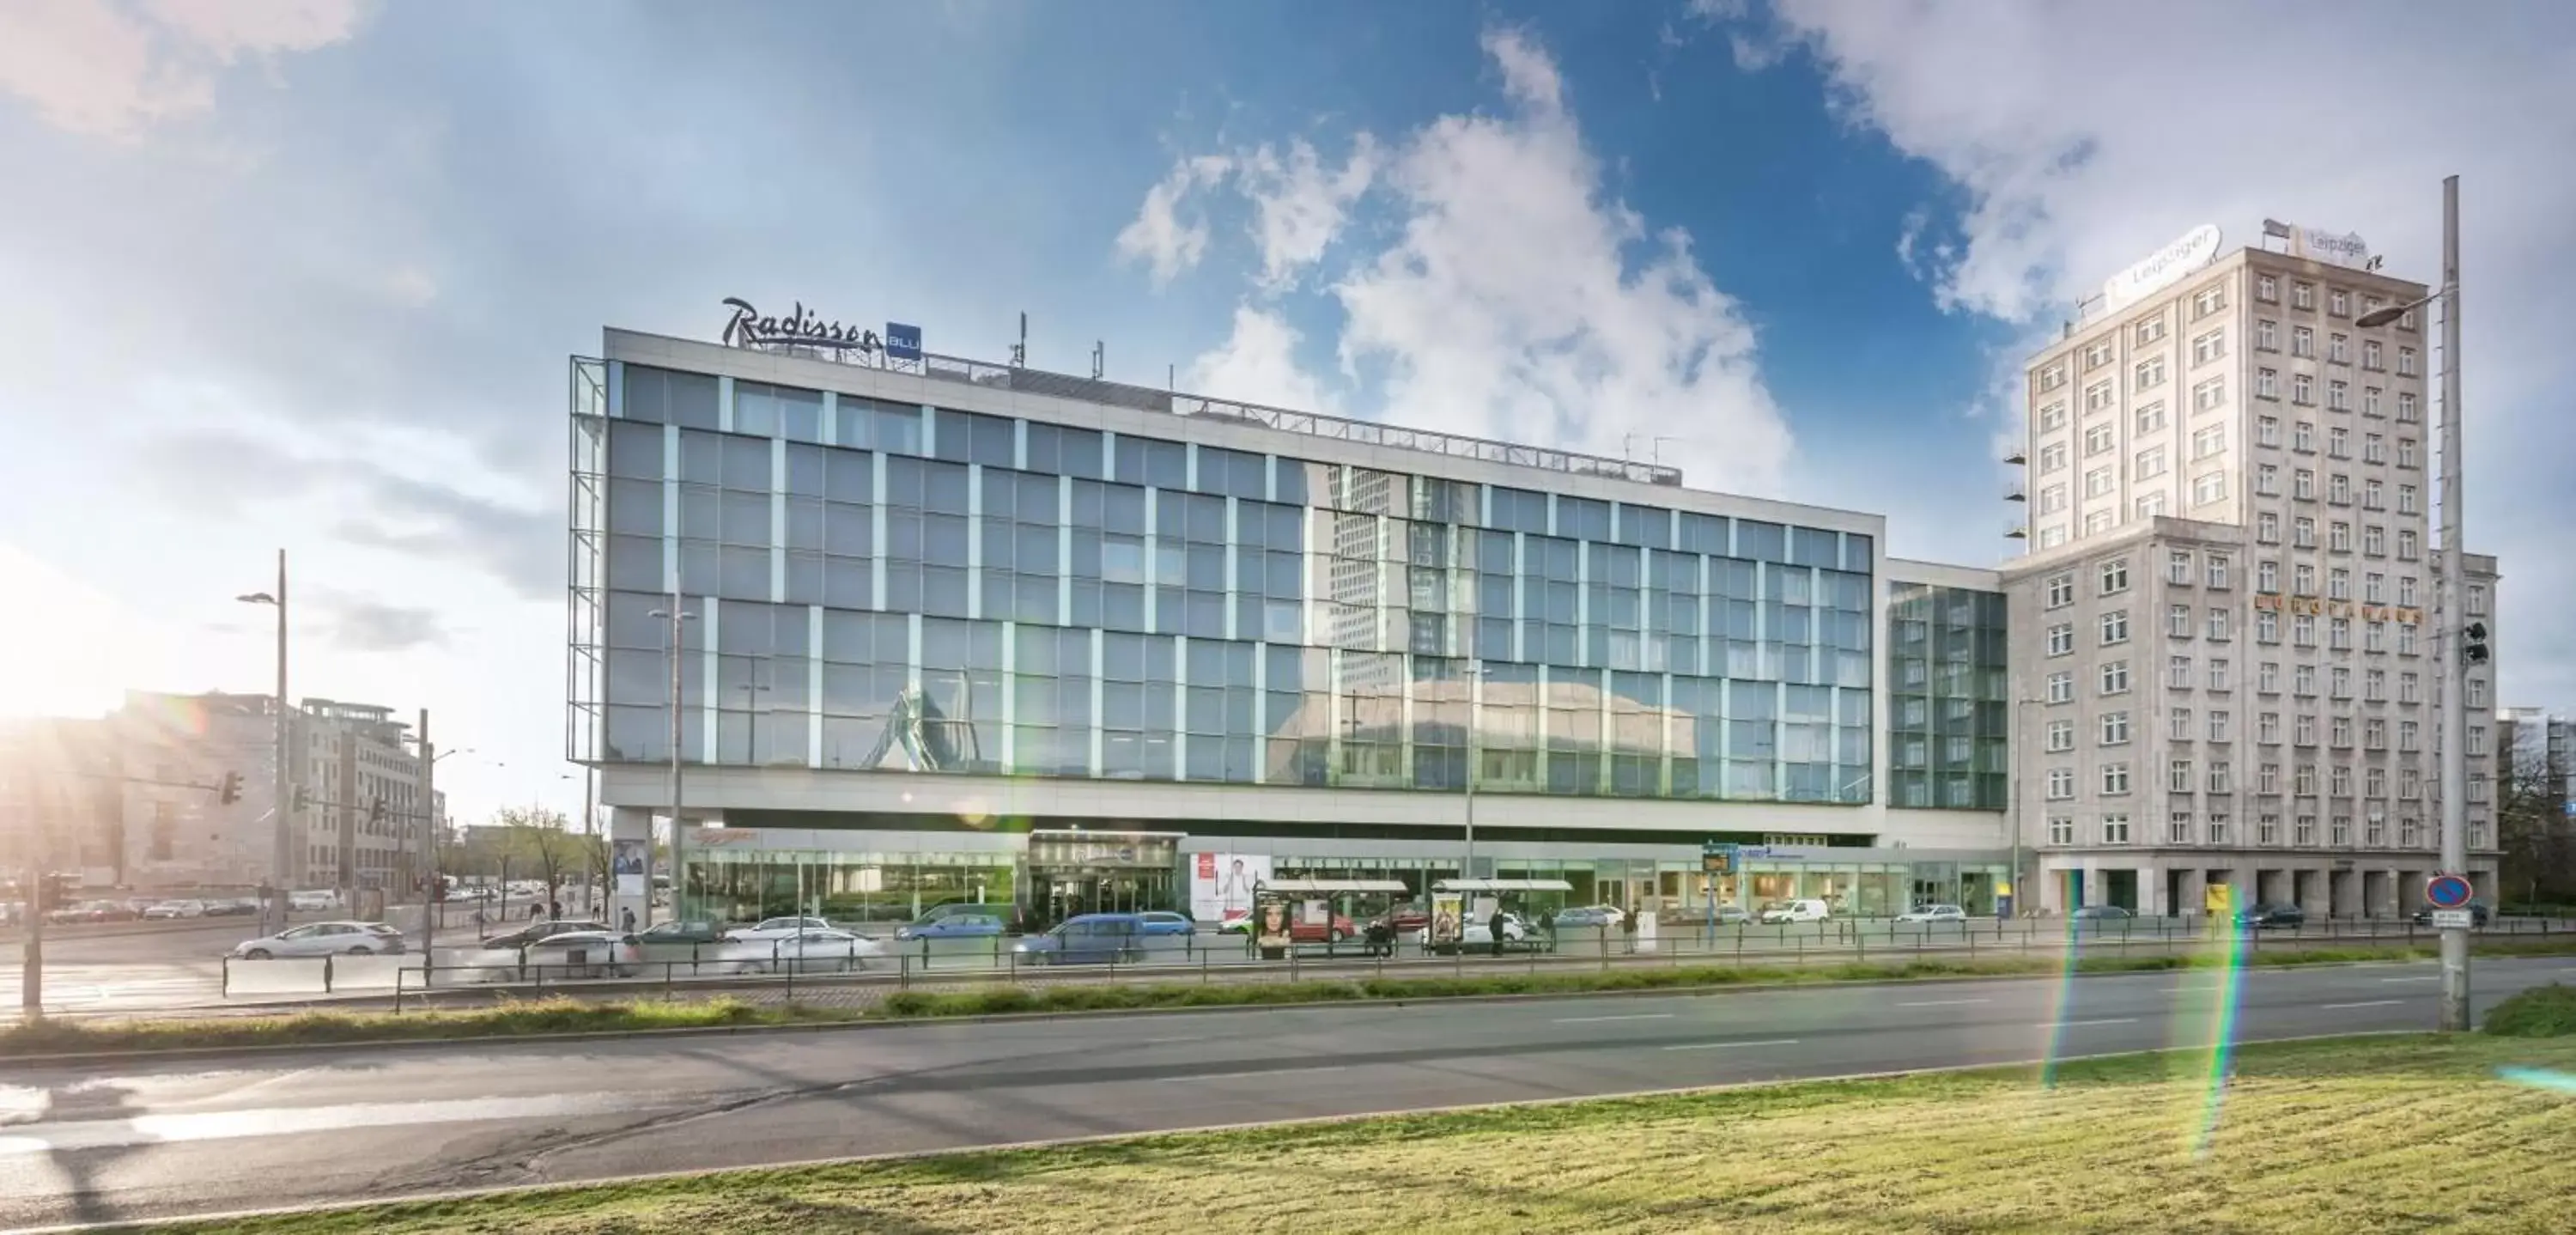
[2219, 898]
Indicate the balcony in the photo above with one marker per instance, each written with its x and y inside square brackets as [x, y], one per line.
[2016, 457]
[2016, 531]
[2016, 493]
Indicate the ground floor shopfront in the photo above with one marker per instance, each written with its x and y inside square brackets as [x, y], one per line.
[861, 874]
[2322, 884]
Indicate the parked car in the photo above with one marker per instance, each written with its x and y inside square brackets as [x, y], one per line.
[2478, 914]
[172, 910]
[1477, 935]
[233, 907]
[313, 902]
[1934, 913]
[1804, 909]
[323, 939]
[586, 954]
[1588, 917]
[1165, 922]
[2101, 917]
[1086, 939]
[1732, 915]
[1009, 914]
[1409, 916]
[93, 911]
[538, 932]
[677, 931]
[824, 950]
[776, 928]
[2263, 914]
[954, 926]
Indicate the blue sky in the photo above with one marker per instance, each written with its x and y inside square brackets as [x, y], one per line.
[306, 273]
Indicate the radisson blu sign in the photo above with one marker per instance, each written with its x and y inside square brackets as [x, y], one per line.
[803, 328]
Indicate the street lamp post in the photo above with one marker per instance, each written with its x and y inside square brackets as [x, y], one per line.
[676, 617]
[281, 858]
[2454, 667]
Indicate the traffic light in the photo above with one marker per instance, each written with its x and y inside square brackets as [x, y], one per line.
[230, 791]
[53, 891]
[301, 800]
[375, 813]
[2473, 644]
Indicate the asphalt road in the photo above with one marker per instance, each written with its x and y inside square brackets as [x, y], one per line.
[176, 1138]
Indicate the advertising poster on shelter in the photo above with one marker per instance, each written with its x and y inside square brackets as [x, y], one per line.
[1221, 885]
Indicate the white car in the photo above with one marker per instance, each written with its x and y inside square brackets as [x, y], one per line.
[1479, 934]
[586, 954]
[1934, 913]
[1802, 910]
[176, 909]
[809, 951]
[324, 939]
[1615, 914]
[312, 902]
[777, 928]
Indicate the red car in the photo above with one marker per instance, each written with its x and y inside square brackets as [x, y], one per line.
[1407, 918]
[1317, 932]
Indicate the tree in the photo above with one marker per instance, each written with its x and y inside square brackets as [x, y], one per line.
[535, 841]
[2534, 830]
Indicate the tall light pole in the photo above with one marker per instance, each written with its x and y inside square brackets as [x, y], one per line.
[677, 617]
[281, 856]
[2454, 667]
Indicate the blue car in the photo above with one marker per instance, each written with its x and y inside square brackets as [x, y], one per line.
[954, 926]
[1089, 939]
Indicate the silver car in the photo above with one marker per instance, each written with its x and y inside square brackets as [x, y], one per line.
[324, 939]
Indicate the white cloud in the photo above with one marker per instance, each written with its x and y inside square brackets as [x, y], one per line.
[1257, 363]
[2075, 159]
[1159, 236]
[1298, 205]
[101, 68]
[1515, 299]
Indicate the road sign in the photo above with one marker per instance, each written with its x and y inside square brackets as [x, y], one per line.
[2451, 919]
[1718, 858]
[2448, 892]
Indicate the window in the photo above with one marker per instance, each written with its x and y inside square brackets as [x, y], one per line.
[2061, 687]
[2061, 590]
[2115, 576]
[2061, 828]
[2178, 566]
[2268, 288]
[2303, 485]
[2408, 689]
[2370, 399]
[2178, 621]
[2406, 499]
[2053, 416]
[2338, 442]
[2115, 678]
[2477, 739]
[2151, 330]
[2268, 780]
[2217, 828]
[2150, 505]
[2097, 397]
[2052, 376]
[2099, 439]
[2374, 685]
[2339, 633]
[2097, 355]
[2061, 736]
[2267, 479]
[2115, 778]
[2303, 532]
[2339, 349]
[2477, 692]
[2374, 448]
[2339, 302]
[2304, 782]
[2061, 639]
[2406, 546]
[2218, 674]
[2150, 373]
[2115, 627]
[2405, 362]
[2374, 495]
[2267, 383]
[2341, 734]
[2052, 457]
[2221, 778]
[2406, 589]
[2304, 832]
[2477, 600]
[2339, 489]
[2209, 300]
[2267, 335]
[2115, 728]
[2178, 828]
[2217, 570]
[2409, 735]
[2374, 636]
[2267, 830]
[2151, 418]
[2303, 341]
[2208, 347]
[2267, 629]
[2150, 463]
[2341, 834]
[2303, 389]
[2374, 540]
[2267, 576]
[2303, 683]
[2061, 784]
[2303, 295]
[2405, 640]
[2374, 736]
[2208, 441]
[2218, 624]
[2178, 776]
[2303, 437]
[2178, 672]
[2374, 588]
[2407, 413]
[2053, 498]
[2370, 353]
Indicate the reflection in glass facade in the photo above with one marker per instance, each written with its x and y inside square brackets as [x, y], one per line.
[900, 586]
[1952, 712]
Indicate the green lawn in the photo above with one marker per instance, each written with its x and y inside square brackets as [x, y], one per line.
[2412, 1133]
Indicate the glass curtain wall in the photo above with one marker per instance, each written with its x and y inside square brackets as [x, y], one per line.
[893, 586]
[1951, 698]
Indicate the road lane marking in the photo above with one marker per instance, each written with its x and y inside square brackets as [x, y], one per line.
[1265, 1072]
[2117, 1020]
[1629, 1016]
[2429, 977]
[1942, 1003]
[53, 1136]
[2367, 1003]
[1720, 1046]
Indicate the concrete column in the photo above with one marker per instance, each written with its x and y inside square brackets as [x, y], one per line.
[2154, 899]
[2379, 893]
[2309, 889]
[2410, 890]
[629, 823]
[2343, 893]
[2195, 893]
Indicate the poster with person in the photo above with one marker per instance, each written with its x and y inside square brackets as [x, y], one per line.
[626, 861]
[1221, 886]
[1447, 919]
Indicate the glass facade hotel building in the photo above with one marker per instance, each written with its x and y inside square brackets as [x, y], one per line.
[970, 631]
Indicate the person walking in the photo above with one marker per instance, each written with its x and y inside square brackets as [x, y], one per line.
[1496, 926]
[626, 919]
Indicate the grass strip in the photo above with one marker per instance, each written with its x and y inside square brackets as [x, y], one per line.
[564, 1014]
[2415, 1133]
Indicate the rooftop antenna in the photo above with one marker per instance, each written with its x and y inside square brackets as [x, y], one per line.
[1020, 350]
[1099, 358]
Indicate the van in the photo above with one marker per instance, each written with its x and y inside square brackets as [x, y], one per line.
[1802, 910]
